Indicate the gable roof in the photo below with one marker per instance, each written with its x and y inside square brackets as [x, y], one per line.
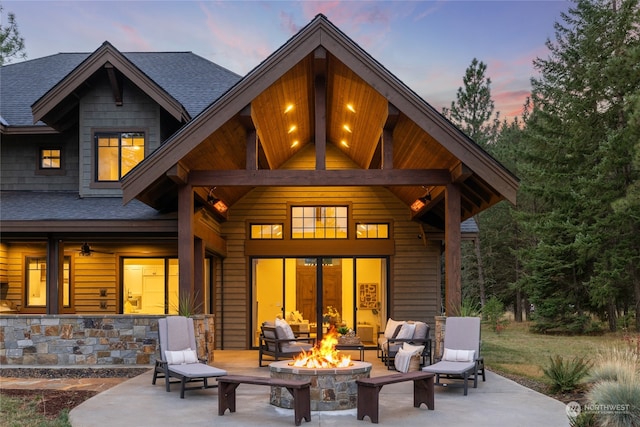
[321, 61]
[181, 81]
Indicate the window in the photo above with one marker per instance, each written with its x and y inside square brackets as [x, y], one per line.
[150, 286]
[117, 154]
[50, 158]
[266, 231]
[319, 222]
[372, 231]
[36, 282]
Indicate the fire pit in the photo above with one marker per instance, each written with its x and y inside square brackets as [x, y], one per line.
[332, 376]
[331, 388]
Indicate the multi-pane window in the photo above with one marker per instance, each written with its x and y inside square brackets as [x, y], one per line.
[117, 154]
[50, 158]
[36, 282]
[266, 231]
[372, 231]
[319, 222]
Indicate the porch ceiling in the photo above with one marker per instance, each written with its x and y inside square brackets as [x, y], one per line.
[284, 119]
[322, 93]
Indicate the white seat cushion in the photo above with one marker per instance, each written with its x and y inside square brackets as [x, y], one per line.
[450, 368]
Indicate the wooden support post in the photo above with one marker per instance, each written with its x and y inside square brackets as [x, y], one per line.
[55, 269]
[185, 240]
[198, 274]
[453, 251]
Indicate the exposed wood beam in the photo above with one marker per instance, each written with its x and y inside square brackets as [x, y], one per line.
[460, 173]
[116, 83]
[387, 137]
[332, 178]
[179, 174]
[252, 138]
[320, 99]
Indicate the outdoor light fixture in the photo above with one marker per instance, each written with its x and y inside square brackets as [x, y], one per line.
[85, 249]
[217, 203]
[421, 202]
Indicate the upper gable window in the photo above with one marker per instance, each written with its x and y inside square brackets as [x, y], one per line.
[118, 153]
[319, 222]
[50, 158]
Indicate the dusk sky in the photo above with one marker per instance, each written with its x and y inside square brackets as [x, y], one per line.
[426, 44]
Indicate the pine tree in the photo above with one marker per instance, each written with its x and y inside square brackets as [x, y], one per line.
[11, 43]
[473, 109]
[577, 163]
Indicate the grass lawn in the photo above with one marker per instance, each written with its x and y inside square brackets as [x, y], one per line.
[518, 352]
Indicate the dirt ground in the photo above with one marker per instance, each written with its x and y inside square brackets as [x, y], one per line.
[51, 402]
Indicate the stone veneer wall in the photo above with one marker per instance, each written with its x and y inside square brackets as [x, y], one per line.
[78, 340]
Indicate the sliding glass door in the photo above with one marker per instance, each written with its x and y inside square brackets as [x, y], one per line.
[314, 294]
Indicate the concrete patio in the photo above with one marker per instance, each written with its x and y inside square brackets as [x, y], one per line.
[136, 402]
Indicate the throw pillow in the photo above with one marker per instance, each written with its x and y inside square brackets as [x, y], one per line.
[392, 327]
[406, 332]
[458, 355]
[421, 332]
[414, 349]
[284, 330]
[181, 357]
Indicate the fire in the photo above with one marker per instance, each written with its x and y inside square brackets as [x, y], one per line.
[323, 355]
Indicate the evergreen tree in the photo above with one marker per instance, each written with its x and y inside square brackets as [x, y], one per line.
[578, 162]
[473, 109]
[11, 43]
[472, 112]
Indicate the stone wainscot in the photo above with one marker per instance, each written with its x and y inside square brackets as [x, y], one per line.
[45, 340]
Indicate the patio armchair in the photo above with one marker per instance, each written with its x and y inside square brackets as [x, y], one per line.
[408, 333]
[278, 341]
[461, 359]
[178, 356]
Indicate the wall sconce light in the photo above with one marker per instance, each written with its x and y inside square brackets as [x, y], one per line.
[217, 203]
[421, 202]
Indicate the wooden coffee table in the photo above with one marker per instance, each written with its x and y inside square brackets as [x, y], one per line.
[355, 346]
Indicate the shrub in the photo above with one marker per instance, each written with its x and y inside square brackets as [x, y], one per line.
[618, 403]
[469, 308]
[615, 364]
[492, 313]
[565, 376]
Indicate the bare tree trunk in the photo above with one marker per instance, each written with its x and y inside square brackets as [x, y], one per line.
[476, 246]
[517, 309]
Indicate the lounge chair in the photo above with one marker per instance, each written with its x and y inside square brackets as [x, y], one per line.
[178, 357]
[461, 358]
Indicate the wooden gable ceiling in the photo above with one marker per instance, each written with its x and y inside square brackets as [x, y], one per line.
[359, 103]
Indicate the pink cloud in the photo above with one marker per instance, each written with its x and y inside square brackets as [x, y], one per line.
[133, 39]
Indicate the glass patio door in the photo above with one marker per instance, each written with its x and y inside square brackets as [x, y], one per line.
[313, 294]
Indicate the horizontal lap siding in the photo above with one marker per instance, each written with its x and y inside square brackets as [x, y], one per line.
[413, 267]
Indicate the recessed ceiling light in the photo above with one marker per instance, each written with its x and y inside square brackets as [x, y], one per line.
[292, 128]
[350, 108]
[347, 128]
[294, 144]
[288, 108]
[344, 143]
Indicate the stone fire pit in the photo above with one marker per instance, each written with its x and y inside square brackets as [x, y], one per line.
[331, 388]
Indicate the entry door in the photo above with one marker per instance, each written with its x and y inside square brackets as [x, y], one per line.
[307, 289]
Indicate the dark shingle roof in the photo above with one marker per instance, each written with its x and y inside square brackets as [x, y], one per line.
[28, 206]
[192, 80]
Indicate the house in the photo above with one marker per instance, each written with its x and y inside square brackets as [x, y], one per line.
[133, 183]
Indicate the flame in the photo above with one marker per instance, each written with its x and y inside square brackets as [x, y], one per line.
[323, 355]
